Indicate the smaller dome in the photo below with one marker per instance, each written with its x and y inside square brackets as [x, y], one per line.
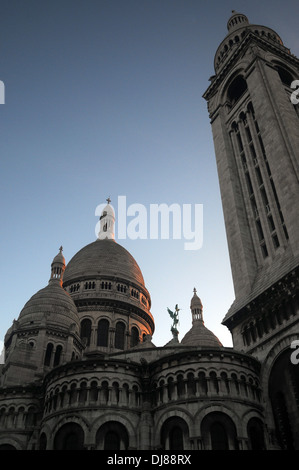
[199, 335]
[52, 304]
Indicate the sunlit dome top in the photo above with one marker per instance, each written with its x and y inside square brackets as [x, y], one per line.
[103, 258]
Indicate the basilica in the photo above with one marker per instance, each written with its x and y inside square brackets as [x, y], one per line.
[81, 368]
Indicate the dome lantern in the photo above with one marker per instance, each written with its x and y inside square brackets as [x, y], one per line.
[107, 221]
[196, 308]
[58, 267]
[237, 20]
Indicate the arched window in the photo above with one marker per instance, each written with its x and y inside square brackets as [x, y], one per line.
[285, 76]
[191, 385]
[255, 434]
[176, 439]
[180, 385]
[48, 354]
[73, 394]
[174, 433]
[112, 441]
[170, 388]
[120, 335]
[93, 391]
[103, 331]
[86, 331]
[134, 337]
[105, 392]
[112, 436]
[218, 437]
[57, 356]
[236, 89]
[69, 437]
[283, 390]
[83, 392]
[219, 432]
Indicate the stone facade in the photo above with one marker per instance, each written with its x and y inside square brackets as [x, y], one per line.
[255, 132]
[81, 370]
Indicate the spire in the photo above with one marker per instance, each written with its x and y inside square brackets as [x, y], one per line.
[58, 267]
[196, 308]
[107, 221]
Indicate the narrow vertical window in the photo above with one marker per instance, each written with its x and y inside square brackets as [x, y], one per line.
[103, 331]
[86, 331]
[134, 337]
[57, 356]
[120, 335]
[48, 354]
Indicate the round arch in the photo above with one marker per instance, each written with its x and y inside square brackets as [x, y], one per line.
[219, 432]
[115, 417]
[239, 70]
[283, 390]
[70, 436]
[206, 410]
[174, 434]
[284, 344]
[75, 419]
[8, 443]
[112, 435]
[171, 413]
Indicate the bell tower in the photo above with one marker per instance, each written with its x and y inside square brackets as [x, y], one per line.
[256, 137]
[255, 128]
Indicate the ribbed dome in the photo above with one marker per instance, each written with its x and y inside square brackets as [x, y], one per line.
[199, 336]
[103, 258]
[51, 304]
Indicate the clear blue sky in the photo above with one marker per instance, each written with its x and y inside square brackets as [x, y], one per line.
[105, 98]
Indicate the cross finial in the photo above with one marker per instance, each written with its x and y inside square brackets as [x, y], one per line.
[194, 290]
[108, 199]
[60, 249]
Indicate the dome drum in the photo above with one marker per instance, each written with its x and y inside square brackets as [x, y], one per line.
[113, 307]
[105, 287]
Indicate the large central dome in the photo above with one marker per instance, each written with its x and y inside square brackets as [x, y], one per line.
[103, 258]
[107, 285]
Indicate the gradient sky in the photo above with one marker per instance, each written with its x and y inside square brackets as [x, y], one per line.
[104, 98]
